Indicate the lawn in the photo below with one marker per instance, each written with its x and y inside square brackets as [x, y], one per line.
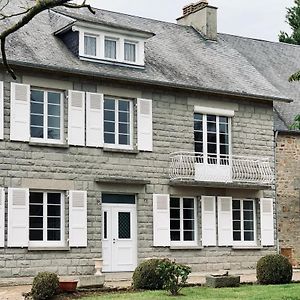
[245, 292]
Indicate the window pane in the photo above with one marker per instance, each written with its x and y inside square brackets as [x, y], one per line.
[236, 215]
[124, 139]
[54, 122]
[188, 214]
[109, 115]
[249, 225]
[223, 119]
[249, 236]
[198, 117]
[248, 215]
[223, 128]
[37, 96]
[37, 120]
[37, 132]
[198, 136]
[198, 125]
[236, 225]
[211, 138]
[110, 49]
[53, 235]
[124, 225]
[175, 202]
[124, 128]
[53, 134]
[53, 210]
[199, 147]
[124, 117]
[54, 110]
[53, 223]
[212, 148]
[54, 98]
[175, 224]
[175, 235]
[236, 235]
[35, 210]
[174, 213]
[248, 205]
[36, 197]
[211, 127]
[36, 222]
[224, 149]
[123, 105]
[105, 225]
[109, 104]
[37, 108]
[188, 203]
[53, 198]
[211, 118]
[129, 52]
[224, 139]
[109, 126]
[90, 45]
[109, 138]
[236, 204]
[188, 224]
[188, 236]
[35, 235]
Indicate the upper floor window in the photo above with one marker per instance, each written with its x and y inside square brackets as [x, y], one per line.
[117, 122]
[212, 138]
[46, 211]
[110, 48]
[46, 115]
[90, 45]
[183, 220]
[130, 51]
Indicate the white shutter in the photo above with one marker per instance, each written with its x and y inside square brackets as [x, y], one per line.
[225, 230]
[209, 221]
[161, 220]
[20, 112]
[2, 216]
[77, 218]
[144, 124]
[76, 118]
[267, 222]
[18, 217]
[1, 110]
[94, 120]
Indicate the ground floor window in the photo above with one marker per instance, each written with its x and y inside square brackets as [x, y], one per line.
[243, 217]
[183, 220]
[46, 218]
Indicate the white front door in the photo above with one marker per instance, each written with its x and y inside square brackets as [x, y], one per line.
[119, 238]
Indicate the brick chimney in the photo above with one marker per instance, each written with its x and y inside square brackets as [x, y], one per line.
[202, 17]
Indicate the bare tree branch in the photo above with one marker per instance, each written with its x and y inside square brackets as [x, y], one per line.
[27, 15]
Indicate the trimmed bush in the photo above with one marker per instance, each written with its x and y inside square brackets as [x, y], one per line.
[146, 277]
[274, 269]
[45, 285]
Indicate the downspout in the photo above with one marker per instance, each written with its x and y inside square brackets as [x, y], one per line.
[276, 201]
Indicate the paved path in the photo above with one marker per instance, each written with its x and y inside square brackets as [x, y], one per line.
[124, 280]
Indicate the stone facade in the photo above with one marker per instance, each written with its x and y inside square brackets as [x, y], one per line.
[288, 193]
[46, 167]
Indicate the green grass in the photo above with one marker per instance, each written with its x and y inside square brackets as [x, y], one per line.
[245, 292]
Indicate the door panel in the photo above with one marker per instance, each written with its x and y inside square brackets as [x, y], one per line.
[119, 245]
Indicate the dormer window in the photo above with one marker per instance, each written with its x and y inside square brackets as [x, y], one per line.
[110, 46]
[90, 45]
[130, 51]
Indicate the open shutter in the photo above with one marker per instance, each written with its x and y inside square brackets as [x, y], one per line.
[77, 218]
[20, 112]
[76, 118]
[144, 124]
[161, 220]
[18, 217]
[1, 110]
[225, 231]
[209, 221]
[2, 216]
[94, 120]
[267, 222]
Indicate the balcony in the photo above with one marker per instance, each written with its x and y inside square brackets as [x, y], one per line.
[225, 169]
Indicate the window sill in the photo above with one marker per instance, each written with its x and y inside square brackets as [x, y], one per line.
[247, 248]
[116, 150]
[48, 248]
[186, 248]
[41, 144]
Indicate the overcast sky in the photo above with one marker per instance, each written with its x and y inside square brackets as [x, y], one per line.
[252, 18]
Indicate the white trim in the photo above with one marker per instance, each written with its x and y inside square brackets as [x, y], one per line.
[214, 111]
[45, 243]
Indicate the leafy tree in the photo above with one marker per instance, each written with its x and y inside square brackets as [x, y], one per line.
[296, 124]
[23, 15]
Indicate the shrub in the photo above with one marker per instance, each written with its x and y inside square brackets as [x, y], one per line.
[173, 275]
[274, 269]
[45, 285]
[145, 275]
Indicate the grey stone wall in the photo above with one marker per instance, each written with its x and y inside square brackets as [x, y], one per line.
[80, 166]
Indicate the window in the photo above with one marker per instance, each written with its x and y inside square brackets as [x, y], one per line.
[46, 221]
[129, 51]
[90, 45]
[46, 115]
[211, 137]
[183, 221]
[243, 216]
[117, 122]
[110, 48]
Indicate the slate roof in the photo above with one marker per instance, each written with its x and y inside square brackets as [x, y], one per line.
[176, 56]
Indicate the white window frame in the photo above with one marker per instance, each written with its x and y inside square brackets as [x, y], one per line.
[46, 243]
[182, 242]
[116, 145]
[101, 35]
[45, 114]
[205, 146]
[242, 242]
[136, 44]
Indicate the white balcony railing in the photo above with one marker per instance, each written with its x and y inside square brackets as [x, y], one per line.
[186, 166]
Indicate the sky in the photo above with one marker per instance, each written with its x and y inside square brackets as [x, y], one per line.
[262, 19]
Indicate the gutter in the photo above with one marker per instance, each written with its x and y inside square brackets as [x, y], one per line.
[286, 131]
[149, 82]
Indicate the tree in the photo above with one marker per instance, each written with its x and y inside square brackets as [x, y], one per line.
[23, 15]
[296, 124]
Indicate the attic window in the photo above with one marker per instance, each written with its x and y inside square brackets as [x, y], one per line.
[130, 51]
[90, 45]
[110, 48]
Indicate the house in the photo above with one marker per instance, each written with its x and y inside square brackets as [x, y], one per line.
[127, 138]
